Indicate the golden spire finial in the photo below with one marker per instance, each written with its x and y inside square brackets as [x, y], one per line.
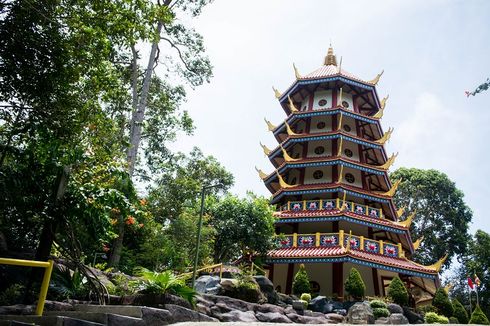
[400, 212]
[341, 174]
[438, 265]
[406, 223]
[289, 130]
[296, 72]
[283, 183]
[266, 150]
[376, 79]
[416, 244]
[261, 173]
[276, 92]
[389, 162]
[286, 156]
[339, 151]
[291, 105]
[270, 126]
[393, 189]
[385, 137]
[330, 59]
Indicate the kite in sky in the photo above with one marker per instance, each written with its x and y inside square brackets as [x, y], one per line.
[479, 89]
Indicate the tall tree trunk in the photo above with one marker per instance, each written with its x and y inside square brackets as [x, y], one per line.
[117, 245]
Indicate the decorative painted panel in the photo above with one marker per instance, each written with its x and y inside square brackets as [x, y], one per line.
[287, 242]
[313, 205]
[355, 241]
[297, 206]
[329, 240]
[390, 250]
[371, 246]
[359, 209]
[329, 204]
[306, 241]
[374, 212]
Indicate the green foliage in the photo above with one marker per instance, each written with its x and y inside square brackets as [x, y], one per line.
[433, 318]
[442, 303]
[354, 285]
[68, 284]
[380, 312]
[164, 282]
[478, 317]
[454, 320]
[11, 295]
[442, 214]
[243, 227]
[301, 282]
[305, 297]
[426, 308]
[397, 292]
[378, 304]
[460, 312]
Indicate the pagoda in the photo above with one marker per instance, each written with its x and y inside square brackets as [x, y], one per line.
[330, 185]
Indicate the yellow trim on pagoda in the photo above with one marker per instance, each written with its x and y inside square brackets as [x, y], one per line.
[393, 189]
[283, 183]
[296, 72]
[340, 97]
[289, 130]
[379, 114]
[341, 174]
[291, 105]
[388, 162]
[347, 248]
[340, 121]
[375, 80]
[438, 265]
[400, 212]
[416, 244]
[344, 205]
[267, 151]
[261, 173]
[406, 223]
[386, 137]
[383, 102]
[339, 151]
[276, 92]
[286, 156]
[270, 126]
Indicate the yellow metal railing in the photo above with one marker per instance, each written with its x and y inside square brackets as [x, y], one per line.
[329, 204]
[318, 239]
[48, 266]
[205, 268]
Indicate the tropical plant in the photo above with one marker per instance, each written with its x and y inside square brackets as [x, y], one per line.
[442, 303]
[164, 282]
[433, 318]
[354, 285]
[397, 291]
[69, 284]
[460, 312]
[301, 282]
[478, 317]
[11, 295]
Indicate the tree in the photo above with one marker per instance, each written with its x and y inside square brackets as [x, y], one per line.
[479, 317]
[442, 216]
[397, 292]
[301, 282]
[354, 285]
[442, 303]
[243, 227]
[460, 312]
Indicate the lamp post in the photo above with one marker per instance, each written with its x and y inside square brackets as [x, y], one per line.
[199, 226]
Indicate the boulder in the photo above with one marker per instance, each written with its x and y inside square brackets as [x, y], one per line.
[240, 316]
[289, 310]
[231, 303]
[360, 313]
[395, 309]
[266, 308]
[119, 320]
[284, 298]
[299, 305]
[17, 309]
[320, 304]
[310, 313]
[207, 284]
[342, 312]
[203, 309]
[265, 284]
[181, 314]
[382, 321]
[295, 318]
[57, 306]
[413, 317]
[398, 319]
[228, 284]
[335, 317]
[156, 317]
[272, 317]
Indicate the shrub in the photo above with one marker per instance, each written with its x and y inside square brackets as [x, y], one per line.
[68, 284]
[380, 312]
[454, 320]
[354, 285]
[306, 297]
[442, 303]
[427, 308]
[397, 292]
[377, 304]
[433, 318]
[11, 295]
[478, 317]
[301, 283]
[460, 312]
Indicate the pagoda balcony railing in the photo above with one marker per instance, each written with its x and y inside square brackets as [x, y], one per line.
[340, 239]
[331, 204]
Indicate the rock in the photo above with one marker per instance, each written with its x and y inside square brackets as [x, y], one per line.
[342, 312]
[284, 298]
[228, 284]
[299, 305]
[295, 318]
[310, 313]
[266, 308]
[119, 320]
[413, 317]
[203, 309]
[17, 309]
[154, 300]
[320, 304]
[398, 319]
[240, 316]
[57, 306]
[360, 313]
[207, 284]
[395, 309]
[231, 303]
[175, 299]
[335, 317]
[265, 284]
[67, 321]
[272, 317]
[382, 321]
[156, 317]
[223, 307]
[181, 314]
[289, 310]
[249, 292]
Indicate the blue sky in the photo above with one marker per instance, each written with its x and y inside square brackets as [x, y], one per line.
[431, 51]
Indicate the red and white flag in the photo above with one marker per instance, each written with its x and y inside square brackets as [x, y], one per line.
[470, 283]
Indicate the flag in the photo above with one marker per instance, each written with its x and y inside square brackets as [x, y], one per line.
[477, 281]
[470, 283]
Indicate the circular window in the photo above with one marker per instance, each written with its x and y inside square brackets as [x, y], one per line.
[304, 108]
[349, 178]
[347, 128]
[345, 104]
[348, 152]
[322, 102]
[293, 180]
[321, 125]
[319, 150]
[317, 174]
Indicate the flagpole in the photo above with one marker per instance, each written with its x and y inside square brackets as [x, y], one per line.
[477, 281]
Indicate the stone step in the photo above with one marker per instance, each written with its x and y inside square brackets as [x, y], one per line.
[100, 318]
[36, 320]
[131, 311]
